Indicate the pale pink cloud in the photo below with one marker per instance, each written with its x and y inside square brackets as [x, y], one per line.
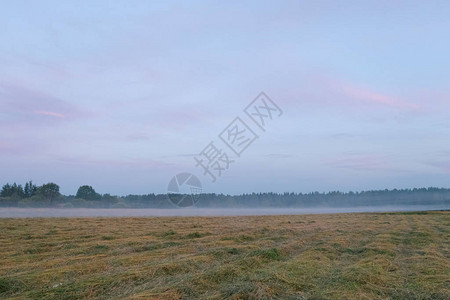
[442, 166]
[432, 100]
[365, 95]
[19, 146]
[316, 90]
[7, 148]
[28, 106]
[50, 113]
[28, 116]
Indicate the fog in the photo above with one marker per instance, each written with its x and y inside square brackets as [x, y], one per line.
[207, 212]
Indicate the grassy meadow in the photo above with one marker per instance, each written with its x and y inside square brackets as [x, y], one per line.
[336, 256]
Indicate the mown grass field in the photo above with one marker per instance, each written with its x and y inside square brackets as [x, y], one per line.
[338, 256]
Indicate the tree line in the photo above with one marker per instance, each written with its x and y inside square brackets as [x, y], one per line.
[48, 195]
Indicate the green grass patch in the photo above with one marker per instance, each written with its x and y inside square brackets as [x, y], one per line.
[270, 254]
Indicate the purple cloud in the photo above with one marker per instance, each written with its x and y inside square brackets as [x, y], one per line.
[21, 104]
[365, 95]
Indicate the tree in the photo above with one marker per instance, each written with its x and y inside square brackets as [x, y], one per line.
[50, 191]
[13, 190]
[30, 189]
[87, 192]
[6, 190]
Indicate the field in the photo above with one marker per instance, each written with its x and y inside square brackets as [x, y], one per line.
[337, 256]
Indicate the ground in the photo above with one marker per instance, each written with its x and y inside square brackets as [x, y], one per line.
[335, 256]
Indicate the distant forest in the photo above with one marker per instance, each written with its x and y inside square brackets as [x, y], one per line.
[48, 195]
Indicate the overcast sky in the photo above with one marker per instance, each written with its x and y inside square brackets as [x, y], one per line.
[122, 95]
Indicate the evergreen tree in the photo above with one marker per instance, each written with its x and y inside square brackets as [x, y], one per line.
[30, 189]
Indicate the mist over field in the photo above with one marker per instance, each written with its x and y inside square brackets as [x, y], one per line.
[200, 212]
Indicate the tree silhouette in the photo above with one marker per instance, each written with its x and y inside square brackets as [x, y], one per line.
[29, 190]
[87, 192]
[50, 191]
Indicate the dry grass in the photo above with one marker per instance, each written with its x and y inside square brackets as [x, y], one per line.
[340, 256]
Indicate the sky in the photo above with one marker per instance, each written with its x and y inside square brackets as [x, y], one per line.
[124, 95]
